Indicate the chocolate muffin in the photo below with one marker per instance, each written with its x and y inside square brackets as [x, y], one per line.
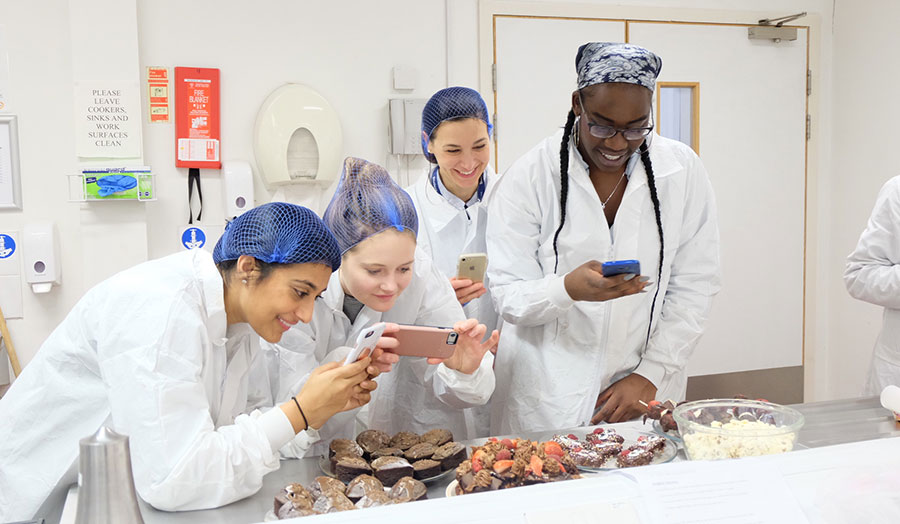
[343, 446]
[391, 469]
[322, 484]
[420, 451]
[372, 440]
[438, 437]
[331, 502]
[407, 489]
[361, 485]
[348, 468]
[387, 452]
[426, 468]
[405, 440]
[450, 455]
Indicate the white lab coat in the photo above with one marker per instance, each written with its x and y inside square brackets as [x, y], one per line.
[556, 355]
[873, 275]
[414, 396]
[447, 230]
[146, 352]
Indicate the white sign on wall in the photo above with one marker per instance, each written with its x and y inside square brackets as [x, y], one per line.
[108, 119]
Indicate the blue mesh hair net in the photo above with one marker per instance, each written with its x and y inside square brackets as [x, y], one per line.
[366, 202]
[279, 233]
[453, 103]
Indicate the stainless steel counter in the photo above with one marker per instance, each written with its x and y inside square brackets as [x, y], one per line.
[827, 423]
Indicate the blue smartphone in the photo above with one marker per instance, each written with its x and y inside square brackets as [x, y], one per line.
[619, 267]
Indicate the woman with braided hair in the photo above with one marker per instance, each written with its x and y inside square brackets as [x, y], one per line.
[579, 347]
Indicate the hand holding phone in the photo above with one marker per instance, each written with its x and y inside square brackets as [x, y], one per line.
[472, 266]
[367, 339]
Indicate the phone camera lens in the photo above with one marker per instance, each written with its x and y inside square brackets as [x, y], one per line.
[370, 333]
[451, 338]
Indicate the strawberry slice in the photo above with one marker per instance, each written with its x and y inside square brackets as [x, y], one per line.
[537, 465]
[598, 431]
[502, 466]
[572, 436]
[504, 454]
[508, 443]
[477, 465]
[553, 448]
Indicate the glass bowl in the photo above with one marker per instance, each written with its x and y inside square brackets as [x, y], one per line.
[731, 428]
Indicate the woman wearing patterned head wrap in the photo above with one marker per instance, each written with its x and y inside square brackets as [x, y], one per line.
[384, 277]
[603, 188]
[166, 352]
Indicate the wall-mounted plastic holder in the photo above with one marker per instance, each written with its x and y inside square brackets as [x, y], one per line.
[106, 184]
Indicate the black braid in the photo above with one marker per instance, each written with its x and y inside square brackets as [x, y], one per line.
[651, 183]
[564, 181]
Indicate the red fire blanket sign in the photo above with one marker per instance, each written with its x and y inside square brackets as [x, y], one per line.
[197, 118]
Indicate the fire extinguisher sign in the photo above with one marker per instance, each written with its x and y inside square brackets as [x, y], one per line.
[197, 117]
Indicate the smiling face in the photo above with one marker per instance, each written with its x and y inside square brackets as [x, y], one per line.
[462, 149]
[379, 268]
[617, 105]
[275, 298]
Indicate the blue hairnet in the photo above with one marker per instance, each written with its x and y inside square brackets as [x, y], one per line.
[110, 184]
[366, 202]
[453, 103]
[279, 233]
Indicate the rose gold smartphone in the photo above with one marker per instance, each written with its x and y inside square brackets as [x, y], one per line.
[472, 266]
[425, 341]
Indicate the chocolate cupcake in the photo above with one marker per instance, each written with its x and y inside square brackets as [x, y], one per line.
[450, 455]
[405, 440]
[387, 452]
[438, 437]
[407, 489]
[391, 469]
[348, 468]
[361, 485]
[420, 451]
[372, 440]
[426, 468]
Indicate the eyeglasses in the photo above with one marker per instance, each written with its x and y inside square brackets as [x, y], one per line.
[631, 133]
[604, 132]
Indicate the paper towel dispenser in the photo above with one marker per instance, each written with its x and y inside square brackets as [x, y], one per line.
[297, 137]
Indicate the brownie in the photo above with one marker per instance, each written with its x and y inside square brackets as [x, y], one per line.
[407, 489]
[348, 468]
[358, 487]
[372, 440]
[450, 455]
[651, 443]
[588, 457]
[290, 512]
[420, 451]
[387, 452]
[296, 495]
[331, 502]
[634, 456]
[322, 484]
[405, 440]
[438, 437]
[391, 469]
[608, 448]
[343, 446]
[426, 468]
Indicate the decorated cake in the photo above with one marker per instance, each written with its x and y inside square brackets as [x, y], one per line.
[501, 464]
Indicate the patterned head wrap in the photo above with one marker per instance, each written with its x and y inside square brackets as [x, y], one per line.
[608, 62]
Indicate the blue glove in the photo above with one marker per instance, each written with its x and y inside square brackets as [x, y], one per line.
[114, 184]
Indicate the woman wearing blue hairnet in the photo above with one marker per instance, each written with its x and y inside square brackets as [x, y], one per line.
[385, 278]
[579, 347]
[452, 198]
[167, 352]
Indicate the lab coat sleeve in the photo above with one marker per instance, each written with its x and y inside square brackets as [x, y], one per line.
[152, 363]
[873, 269]
[440, 308]
[694, 280]
[522, 293]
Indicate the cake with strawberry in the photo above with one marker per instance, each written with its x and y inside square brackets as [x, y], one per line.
[507, 463]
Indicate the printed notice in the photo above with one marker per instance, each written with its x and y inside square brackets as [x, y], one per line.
[108, 120]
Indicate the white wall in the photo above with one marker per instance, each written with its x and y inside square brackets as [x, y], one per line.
[346, 49]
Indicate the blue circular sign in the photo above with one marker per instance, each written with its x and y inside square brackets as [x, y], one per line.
[7, 246]
[193, 238]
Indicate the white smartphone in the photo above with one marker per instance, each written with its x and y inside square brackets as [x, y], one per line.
[367, 339]
[472, 266]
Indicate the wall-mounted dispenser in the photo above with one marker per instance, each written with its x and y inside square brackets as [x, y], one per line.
[237, 187]
[297, 137]
[40, 251]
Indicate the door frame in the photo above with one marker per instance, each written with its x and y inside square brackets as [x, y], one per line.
[814, 357]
